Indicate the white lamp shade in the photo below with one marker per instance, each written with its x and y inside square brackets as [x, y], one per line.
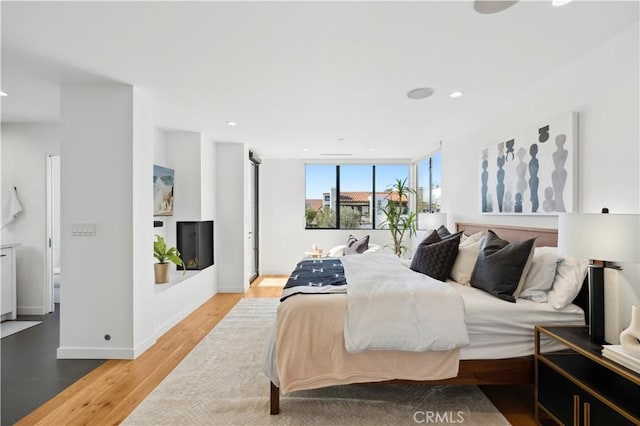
[431, 220]
[600, 236]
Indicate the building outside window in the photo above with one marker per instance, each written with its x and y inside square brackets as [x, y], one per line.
[349, 196]
[429, 190]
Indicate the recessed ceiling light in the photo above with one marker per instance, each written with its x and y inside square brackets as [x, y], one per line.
[3, 94]
[420, 93]
[305, 150]
[559, 3]
[456, 94]
[487, 7]
[371, 150]
[232, 123]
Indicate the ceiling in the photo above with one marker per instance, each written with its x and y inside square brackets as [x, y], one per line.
[329, 77]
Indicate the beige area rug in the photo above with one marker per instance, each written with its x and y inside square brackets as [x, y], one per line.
[273, 282]
[221, 383]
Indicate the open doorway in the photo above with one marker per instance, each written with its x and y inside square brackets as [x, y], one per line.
[53, 279]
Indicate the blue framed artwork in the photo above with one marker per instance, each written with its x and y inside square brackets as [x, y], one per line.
[162, 191]
[534, 172]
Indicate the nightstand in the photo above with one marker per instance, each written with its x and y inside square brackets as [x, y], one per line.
[314, 254]
[578, 386]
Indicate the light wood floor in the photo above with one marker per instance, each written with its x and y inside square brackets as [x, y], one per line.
[112, 391]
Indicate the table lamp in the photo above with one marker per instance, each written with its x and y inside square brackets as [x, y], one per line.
[431, 220]
[601, 238]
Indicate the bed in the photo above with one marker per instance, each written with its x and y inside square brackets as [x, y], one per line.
[500, 337]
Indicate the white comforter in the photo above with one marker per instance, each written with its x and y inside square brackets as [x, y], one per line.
[390, 307]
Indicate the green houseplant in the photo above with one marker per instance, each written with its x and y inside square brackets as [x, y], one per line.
[164, 255]
[399, 219]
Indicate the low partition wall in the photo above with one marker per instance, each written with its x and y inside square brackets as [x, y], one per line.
[175, 300]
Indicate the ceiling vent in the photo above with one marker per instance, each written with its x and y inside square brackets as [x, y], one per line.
[487, 7]
[420, 93]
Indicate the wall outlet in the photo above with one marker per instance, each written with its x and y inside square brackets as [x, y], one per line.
[83, 229]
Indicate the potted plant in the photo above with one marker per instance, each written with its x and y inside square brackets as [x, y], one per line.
[164, 254]
[399, 218]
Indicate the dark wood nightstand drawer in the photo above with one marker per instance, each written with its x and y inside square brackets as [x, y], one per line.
[577, 386]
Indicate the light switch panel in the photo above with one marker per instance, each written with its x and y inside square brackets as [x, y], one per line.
[83, 229]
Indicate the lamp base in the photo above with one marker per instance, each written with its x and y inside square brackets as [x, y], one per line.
[596, 303]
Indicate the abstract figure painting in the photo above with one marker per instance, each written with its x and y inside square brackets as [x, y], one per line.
[162, 191]
[533, 172]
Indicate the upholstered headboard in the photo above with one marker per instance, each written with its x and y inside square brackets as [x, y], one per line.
[544, 237]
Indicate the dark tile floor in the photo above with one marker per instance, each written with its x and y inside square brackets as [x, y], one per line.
[31, 373]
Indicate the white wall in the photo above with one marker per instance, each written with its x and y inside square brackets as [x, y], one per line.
[207, 179]
[603, 88]
[192, 156]
[97, 129]
[183, 155]
[174, 302]
[283, 237]
[144, 324]
[24, 151]
[231, 254]
[180, 150]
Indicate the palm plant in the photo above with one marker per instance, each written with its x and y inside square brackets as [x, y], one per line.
[398, 220]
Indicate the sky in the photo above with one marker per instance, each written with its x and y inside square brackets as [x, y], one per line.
[353, 177]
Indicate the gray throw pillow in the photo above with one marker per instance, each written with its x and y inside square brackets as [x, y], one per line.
[443, 232]
[500, 265]
[435, 256]
[356, 246]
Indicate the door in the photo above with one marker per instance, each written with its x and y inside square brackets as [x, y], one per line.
[6, 266]
[253, 218]
[53, 278]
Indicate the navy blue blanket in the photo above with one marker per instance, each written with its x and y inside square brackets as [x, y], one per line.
[316, 276]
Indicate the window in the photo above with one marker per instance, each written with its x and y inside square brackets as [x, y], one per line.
[429, 178]
[320, 202]
[348, 196]
[386, 175]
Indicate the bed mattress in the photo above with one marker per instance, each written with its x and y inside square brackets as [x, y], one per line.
[499, 329]
[310, 352]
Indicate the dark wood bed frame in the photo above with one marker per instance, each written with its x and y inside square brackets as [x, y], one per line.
[510, 371]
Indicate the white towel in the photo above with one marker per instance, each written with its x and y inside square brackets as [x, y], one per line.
[13, 209]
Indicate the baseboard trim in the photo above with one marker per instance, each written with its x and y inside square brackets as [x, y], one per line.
[95, 353]
[31, 310]
[229, 290]
[142, 347]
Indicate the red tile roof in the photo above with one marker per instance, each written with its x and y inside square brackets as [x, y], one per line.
[315, 204]
[356, 198]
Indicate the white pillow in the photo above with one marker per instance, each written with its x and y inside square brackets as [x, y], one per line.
[570, 275]
[336, 251]
[372, 248]
[473, 238]
[541, 275]
[466, 260]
